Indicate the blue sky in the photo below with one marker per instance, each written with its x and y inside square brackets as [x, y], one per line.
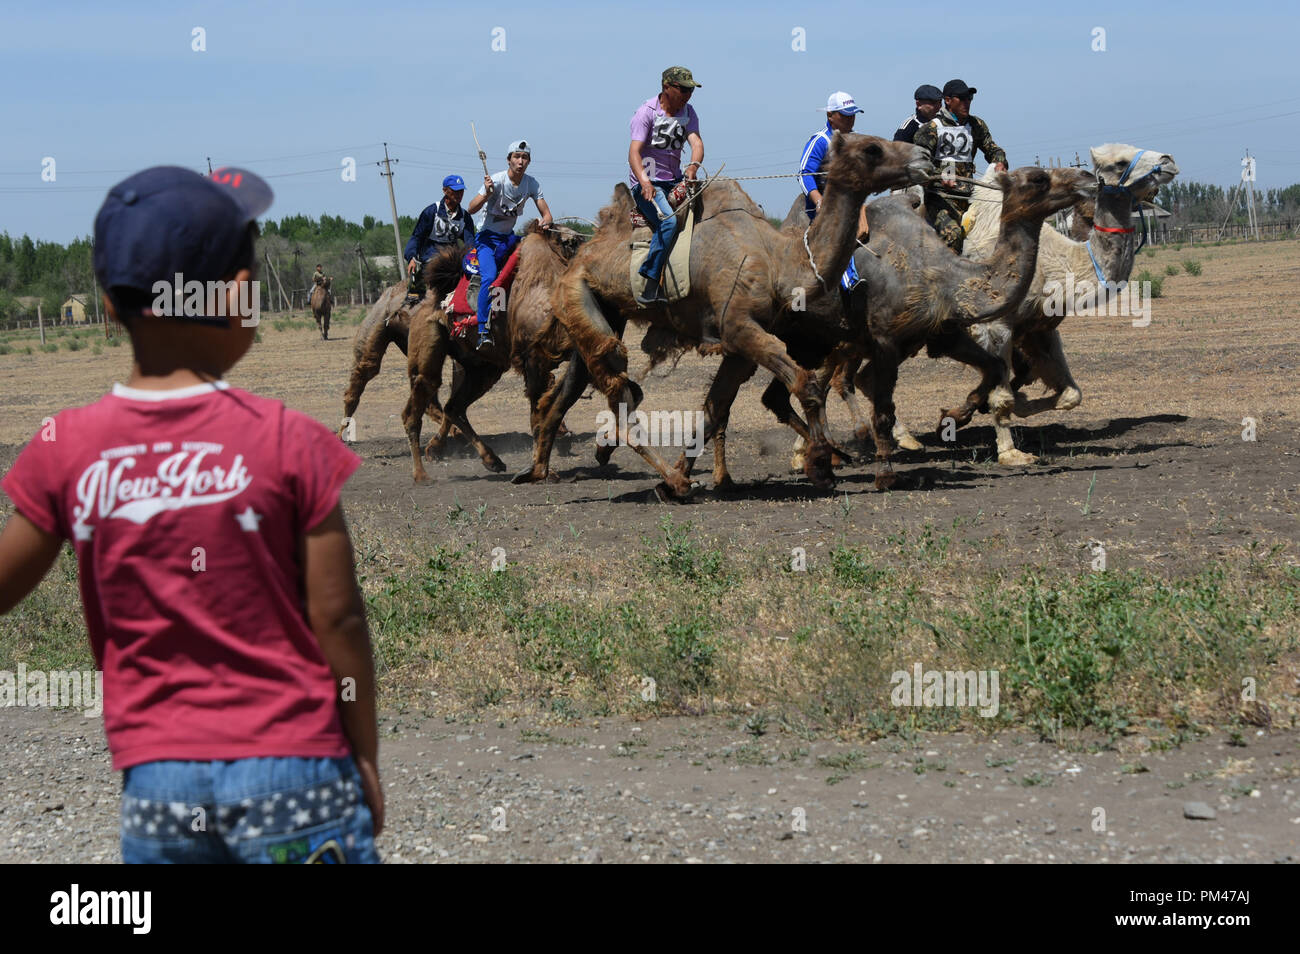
[290, 89]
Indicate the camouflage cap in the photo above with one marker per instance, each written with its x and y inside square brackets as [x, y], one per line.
[679, 76]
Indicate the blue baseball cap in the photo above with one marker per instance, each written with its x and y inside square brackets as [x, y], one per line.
[453, 183]
[168, 220]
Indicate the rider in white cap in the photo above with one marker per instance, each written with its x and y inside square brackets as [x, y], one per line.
[841, 113]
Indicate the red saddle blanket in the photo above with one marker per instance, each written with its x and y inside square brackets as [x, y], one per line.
[675, 198]
[461, 301]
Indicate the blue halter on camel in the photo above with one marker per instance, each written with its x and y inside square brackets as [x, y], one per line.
[1121, 187]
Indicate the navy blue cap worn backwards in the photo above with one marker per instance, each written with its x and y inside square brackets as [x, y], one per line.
[168, 220]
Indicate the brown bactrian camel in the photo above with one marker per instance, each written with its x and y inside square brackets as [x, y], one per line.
[530, 339]
[322, 303]
[914, 292]
[754, 293]
[1093, 274]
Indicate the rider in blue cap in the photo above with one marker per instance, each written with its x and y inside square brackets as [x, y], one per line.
[441, 224]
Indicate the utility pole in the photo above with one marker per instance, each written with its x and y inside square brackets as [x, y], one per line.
[361, 278]
[276, 275]
[40, 320]
[209, 167]
[1248, 175]
[392, 202]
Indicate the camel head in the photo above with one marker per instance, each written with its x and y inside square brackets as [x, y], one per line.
[1033, 193]
[1141, 171]
[870, 164]
[327, 282]
[564, 241]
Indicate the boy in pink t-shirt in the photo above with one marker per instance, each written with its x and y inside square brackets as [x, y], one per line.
[216, 570]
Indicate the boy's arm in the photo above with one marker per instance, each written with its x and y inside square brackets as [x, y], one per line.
[481, 198]
[545, 209]
[26, 554]
[337, 615]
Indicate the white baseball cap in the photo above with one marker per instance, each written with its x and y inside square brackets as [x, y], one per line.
[842, 102]
[519, 145]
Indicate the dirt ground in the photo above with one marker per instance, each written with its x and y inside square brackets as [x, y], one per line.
[1153, 467]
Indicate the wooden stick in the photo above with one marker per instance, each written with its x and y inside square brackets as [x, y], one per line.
[481, 154]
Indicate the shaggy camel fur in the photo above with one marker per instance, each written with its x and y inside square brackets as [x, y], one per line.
[761, 297]
[915, 292]
[1126, 177]
[387, 322]
[534, 343]
[321, 306]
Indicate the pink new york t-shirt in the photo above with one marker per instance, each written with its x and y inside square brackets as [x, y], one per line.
[185, 509]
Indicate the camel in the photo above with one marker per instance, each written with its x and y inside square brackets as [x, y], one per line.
[322, 303]
[761, 297]
[1026, 339]
[915, 292]
[530, 340]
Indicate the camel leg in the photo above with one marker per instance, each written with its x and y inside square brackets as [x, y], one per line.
[877, 380]
[842, 382]
[1002, 403]
[747, 338]
[1048, 355]
[955, 343]
[554, 405]
[425, 380]
[734, 371]
[367, 358]
[476, 381]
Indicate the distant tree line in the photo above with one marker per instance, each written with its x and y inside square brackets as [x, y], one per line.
[1197, 203]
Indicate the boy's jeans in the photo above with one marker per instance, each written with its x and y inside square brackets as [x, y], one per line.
[261, 810]
[493, 250]
[656, 215]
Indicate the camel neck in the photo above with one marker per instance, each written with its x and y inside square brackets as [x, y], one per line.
[1011, 266]
[830, 240]
[1114, 250]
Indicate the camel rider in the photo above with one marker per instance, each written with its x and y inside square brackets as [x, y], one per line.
[928, 101]
[841, 114]
[660, 127]
[440, 225]
[318, 278]
[951, 139]
[503, 195]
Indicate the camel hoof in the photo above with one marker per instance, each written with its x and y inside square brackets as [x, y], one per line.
[819, 472]
[863, 433]
[494, 464]
[1015, 458]
[904, 439]
[724, 484]
[960, 417]
[421, 477]
[603, 453]
[667, 493]
[531, 476]
[434, 450]
[886, 480]
[796, 464]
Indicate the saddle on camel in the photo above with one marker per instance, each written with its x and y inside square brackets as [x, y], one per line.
[459, 306]
[675, 283]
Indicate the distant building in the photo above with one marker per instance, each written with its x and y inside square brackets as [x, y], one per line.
[73, 311]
